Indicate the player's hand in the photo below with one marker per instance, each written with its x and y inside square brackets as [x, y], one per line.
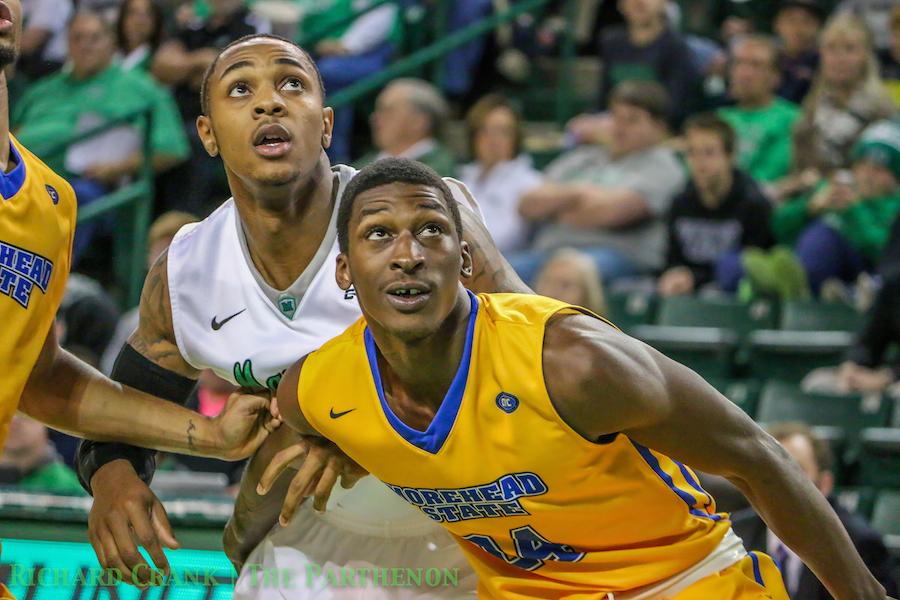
[126, 513]
[244, 423]
[319, 463]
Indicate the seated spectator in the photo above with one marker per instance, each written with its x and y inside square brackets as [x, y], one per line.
[571, 276]
[501, 174]
[890, 58]
[30, 462]
[876, 14]
[88, 315]
[797, 24]
[97, 91]
[200, 184]
[762, 121]
[720, 212]
[408, 119]
[841, 229]
[160, 235]
[349, 53]
[139, 32]
[814, 457]
[610, 202]
[847, 96]
[645, 48]
[43, 42]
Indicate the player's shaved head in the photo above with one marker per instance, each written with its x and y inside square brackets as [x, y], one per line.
[249, 39]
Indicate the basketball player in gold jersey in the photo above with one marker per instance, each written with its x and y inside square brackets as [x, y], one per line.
[544, 439]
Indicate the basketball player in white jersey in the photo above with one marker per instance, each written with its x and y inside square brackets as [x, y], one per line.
[244, 293]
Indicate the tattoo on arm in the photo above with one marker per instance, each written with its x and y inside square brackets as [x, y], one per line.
[155, 335]
[190, 436]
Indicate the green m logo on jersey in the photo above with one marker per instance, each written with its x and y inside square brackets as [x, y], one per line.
[243, 375]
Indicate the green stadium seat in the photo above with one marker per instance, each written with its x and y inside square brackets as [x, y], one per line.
[742, 392]
[629, 309]
[860, 500]
[790, 355]
[709, 351]
[740, 317]
[879, 458]
[806, 315]
[781, 401]
[886, 519]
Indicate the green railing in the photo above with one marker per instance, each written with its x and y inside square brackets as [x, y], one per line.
[132, 204]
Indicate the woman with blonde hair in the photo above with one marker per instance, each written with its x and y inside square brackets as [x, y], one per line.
[572, 276]
[847, 96]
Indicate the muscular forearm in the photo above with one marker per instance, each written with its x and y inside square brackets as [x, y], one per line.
[75, 398]
[801, 517]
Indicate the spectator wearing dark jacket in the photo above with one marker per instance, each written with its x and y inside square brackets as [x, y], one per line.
[720, 212]
[814, 457]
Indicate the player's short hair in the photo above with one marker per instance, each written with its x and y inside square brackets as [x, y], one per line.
[204, 86]
[385, 172]
[821, 450]
[648, 96]
[713, 123]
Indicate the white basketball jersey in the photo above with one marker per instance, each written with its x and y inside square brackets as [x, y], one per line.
[224, 321]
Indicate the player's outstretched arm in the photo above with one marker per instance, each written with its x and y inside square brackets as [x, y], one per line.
[603, 382]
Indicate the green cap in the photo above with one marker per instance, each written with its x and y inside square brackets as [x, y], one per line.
[880, 143]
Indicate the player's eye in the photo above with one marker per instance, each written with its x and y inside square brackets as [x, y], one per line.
[431, 230]
[292, 84]
[377, 233]
[239, 90]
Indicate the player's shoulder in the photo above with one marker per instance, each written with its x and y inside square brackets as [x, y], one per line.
[525, 309]
[350, 340]
[192, 233]
[44, 178]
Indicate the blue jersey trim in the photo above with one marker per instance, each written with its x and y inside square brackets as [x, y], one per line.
[756, 573]
[11, 183]
[694, 483]
[685, 497]
[432, 439]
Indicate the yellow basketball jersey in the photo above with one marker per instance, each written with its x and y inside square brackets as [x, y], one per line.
[540, 511]
[37, 225]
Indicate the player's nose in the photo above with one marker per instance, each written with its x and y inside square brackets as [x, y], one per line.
[408, 255]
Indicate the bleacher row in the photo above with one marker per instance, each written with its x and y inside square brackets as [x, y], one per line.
[756, 355]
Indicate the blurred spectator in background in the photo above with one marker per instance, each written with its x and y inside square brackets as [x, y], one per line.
[841, 229]
[43, 43]
[847, 96]
[875, 13]
[571, 276]
[762, 121]
[351, 51]
[815, 459]
[890, 58]
[610, 202]
[139, 32]
[89, 315]
[720, 212]
[93, 92]
[159, 236]
[501, 173]
[408, 119]
[200, 184]
[30, 462]
[461, 64]
[645, 49]
[797, 24]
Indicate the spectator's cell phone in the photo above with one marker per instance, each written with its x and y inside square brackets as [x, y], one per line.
[844, 177]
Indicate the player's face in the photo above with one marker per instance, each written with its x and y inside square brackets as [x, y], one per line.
[10, 31]
[405, 259]
[266, 117]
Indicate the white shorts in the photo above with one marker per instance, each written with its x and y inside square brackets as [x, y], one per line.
[340, 556]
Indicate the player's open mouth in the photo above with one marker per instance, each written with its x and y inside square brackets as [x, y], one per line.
[272, 140]
[5, 17]
[408, 296]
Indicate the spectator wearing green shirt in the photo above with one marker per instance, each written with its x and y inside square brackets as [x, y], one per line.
[841, 229]
[93, 91]
[763, 121]
[409, 116]
[30, 462]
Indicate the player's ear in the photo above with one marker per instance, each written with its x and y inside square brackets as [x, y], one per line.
[327, 126]
[342, 272]
[207, 137]
[467, 265]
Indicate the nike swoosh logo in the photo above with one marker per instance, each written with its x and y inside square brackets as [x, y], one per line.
[335, 415]
[217, 325]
